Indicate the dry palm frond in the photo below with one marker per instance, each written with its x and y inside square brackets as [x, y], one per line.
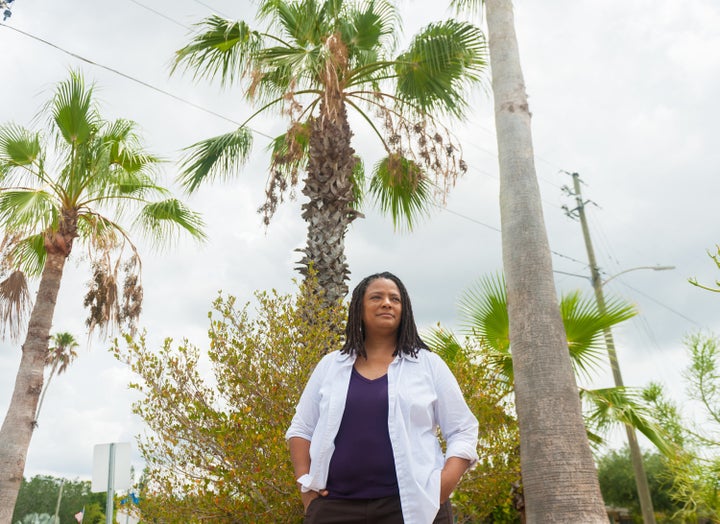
[288, 158]
[102, 297]
[14, 304]
[428, 143]
[132, 293]
[109, 307]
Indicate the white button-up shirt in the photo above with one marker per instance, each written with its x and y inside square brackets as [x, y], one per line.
[422, 396]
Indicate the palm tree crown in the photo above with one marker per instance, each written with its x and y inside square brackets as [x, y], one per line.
[484, 319]
[313, 61]
[60, 355]
[97, 177]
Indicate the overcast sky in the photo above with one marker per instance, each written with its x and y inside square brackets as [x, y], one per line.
[623, 92]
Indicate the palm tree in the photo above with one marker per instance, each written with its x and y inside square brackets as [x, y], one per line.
[484, 321]
[77, 184]
[484, 318]
[313, 61]
[559, 476]
[60, 355]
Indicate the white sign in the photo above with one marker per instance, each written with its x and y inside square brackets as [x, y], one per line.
[101, 466]
[126, 518]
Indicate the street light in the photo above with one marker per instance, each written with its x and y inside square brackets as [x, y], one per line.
[654, 268]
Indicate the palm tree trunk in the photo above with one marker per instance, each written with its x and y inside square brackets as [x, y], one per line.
[46, 385]
[329, 187]
[559, 478]
[19, 422]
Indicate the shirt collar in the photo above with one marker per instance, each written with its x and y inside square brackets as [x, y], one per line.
[346, 358]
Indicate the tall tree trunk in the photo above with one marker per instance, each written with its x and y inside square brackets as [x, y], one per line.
[559, 478]
[46, 385]
[19, 423]
[329, 188]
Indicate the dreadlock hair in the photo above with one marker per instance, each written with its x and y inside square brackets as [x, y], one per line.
[408, 339]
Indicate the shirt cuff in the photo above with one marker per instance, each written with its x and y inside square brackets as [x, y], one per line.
[304, 480]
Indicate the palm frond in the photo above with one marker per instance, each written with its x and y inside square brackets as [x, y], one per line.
[472, 7]
[304, 22]
[114, 166]
[401, 189]
[284, 67]
[484, 317]
[220, 156]
[15, 304]
[585, 326]
[442, 62]
[27, 211]
[370, 30]
[73, 111]
[444, 343]
[18, 147]
[223, 47]
[289, 151]
[163, 220]
[119, 189]
[612, 406]
[483, 312]
[29, 255]
[101, 233]
[124, 151]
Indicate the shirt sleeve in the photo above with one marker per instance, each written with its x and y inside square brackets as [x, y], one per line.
[307, 410]
[457, 423]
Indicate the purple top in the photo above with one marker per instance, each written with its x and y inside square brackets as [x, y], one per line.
[362, 465]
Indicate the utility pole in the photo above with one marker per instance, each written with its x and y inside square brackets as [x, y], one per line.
[635, 453]
[56, 518]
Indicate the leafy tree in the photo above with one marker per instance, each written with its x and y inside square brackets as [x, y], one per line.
[94, 513]
[313, 61]
[695, 463]
[79, 182]
[716, 258]
[39, 495]
[216, 448]
[617, 482]
[60, 355]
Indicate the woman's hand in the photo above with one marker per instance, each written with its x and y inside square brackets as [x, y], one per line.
[309, 496]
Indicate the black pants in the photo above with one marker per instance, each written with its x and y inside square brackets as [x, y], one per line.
[367, 511]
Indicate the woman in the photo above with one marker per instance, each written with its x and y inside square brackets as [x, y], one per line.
[363, 441]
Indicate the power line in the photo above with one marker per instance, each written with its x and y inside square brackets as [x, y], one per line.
[136, 80]
[223, 117]
[211, 8]
[163, 15]
[665, 306]
[470, 219]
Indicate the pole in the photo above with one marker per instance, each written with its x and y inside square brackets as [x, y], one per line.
[56, 518]
[635, 453]
[111, 486]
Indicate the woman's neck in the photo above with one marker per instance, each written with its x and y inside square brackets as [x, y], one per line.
[380, 347]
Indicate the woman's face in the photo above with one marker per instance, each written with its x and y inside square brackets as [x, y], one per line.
[382, 307]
